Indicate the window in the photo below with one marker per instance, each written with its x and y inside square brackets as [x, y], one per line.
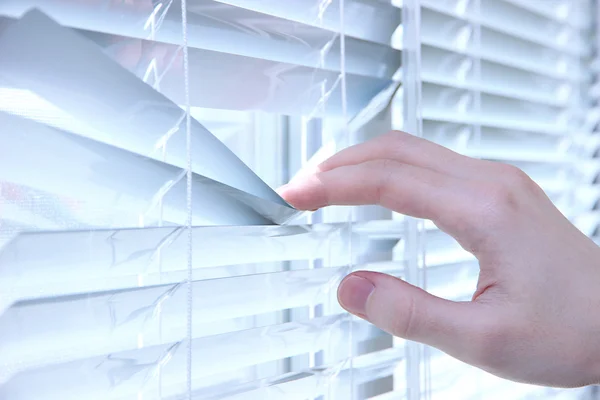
[141, 259]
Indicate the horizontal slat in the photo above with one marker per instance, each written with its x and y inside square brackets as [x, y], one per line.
[448, 104]
[360, 16]
[116, 108]
[23, 215]
[338, 378]
[122, 320]
[46, 331]
[46, 264]
[12, 227]
[446, 68]
[512, 146]
[504, 16]
[127, 374]
[490, 88]
[95, 179]
[62, 328]
[511, 20]
[224, 28]
[532, 57]
[582, 173]
[111, 323]
[226, 125]
[444, 115]
[275, 86]
[519, 144]
[570, 12]
[442, 31]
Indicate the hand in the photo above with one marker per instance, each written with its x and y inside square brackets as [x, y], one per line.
[535, 315]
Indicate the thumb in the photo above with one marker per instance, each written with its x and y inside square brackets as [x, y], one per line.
[411, 313]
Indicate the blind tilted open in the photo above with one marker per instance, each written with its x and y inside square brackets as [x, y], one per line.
[95, 299]
[145, 256]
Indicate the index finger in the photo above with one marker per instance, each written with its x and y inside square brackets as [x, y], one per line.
[410, 190]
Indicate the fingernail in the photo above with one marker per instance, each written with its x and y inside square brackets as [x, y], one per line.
[353, 293]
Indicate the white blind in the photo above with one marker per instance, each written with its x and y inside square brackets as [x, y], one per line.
[504, 80]
[95, 268]
[96, 295]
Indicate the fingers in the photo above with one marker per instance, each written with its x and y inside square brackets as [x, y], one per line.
[406, 189]
[411, 313]
[409, 149]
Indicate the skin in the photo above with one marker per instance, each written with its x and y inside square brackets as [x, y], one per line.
[534, 315]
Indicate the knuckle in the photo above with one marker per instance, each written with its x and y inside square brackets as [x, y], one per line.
[506, 169]
[383, 170]
[518, 180]
[497, 204]
[494, 207]
[484, 211]
[514, 175]
[398, 142]
[396, 135]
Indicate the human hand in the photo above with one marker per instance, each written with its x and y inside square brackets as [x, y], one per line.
[534, 316]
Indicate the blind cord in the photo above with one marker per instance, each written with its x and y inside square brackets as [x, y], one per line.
[349, 142]
[188, 133]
